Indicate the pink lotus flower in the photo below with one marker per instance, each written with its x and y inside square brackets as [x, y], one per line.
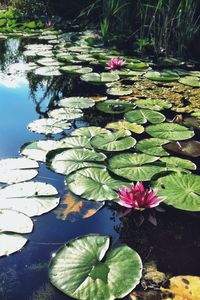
[115, 63]
[137, 197]
[96, 36]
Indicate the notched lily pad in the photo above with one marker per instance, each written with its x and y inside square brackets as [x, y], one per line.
[152, 146]
[102, 78]
[76, 102]
[115, 106]
[141, 116]
[48, 126]
[10, 243]
[126, 126]
[153, 104]
[163, 76]
[14, 221]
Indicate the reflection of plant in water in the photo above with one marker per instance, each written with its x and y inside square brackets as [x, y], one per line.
[9, 52]
[8, 282]
[45, 292]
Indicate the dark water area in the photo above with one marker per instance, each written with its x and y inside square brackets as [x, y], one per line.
[174, 244]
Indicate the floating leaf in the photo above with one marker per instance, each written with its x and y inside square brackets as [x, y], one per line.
[117, 141]
[30, 198]
[48, 61]
[190, 80]
[13, 170]
[141, 116]
[165, 75]
[96, 78]
[119, 90]
[176, 163]
[14, 221]
[90, 131]
[48, 71]
[63, 114]
[68, 161]
[115, 106]
[94, 184]
[88, 276]
[153, 104]
[48, 126]
[170, 131]
[76, 102]
[135, 167]
[10, 243]
[190, 148]
[181, 191]
[192, 122]
[76, 69]
[126, 126]
[152, 146]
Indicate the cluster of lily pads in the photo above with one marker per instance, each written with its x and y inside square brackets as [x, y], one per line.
[97, 161]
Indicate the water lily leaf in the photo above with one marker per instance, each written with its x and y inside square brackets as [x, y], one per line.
[68, 161]
[176, 163]
[138, 66]
[30, 198]
[14, 221]
[181, 191]
[152, 146]
[10, 243]
[88, 276]
[119, 90]
[48, 61]
[184, 287]
[190, 80]
[135, 167]
[48, 71]
[94, 184]
[77, 102]
[153, 104]
[192, 122]
[89, 131]
[75, 69]
[127, 73]
[73, 208]
[170, 131]
[61, 114]
[190, 148]
[48, 126]
[13, 170]
[126, 126]
[117, 141]
[96, 78]
[165, 75]
[141, 116]
[115, 106]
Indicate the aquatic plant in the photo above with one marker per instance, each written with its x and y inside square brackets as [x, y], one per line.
[137, 197]
[115, 63]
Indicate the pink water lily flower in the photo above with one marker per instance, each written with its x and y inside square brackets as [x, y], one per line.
[96, 36]
[137, 197]
[115, 63]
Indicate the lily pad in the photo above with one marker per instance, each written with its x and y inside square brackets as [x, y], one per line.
[14, 221]
[30, 198]
[117, 141]
[163, 76]
[152, 146]
[179, 164]
[61, 114]
[68, 161]
[180, 191]
[190, 80]
[75, 69]
[135, 167]
[96, 78]
[115, 106]
[170, 131]
[190, 148]
[153, 104]
[48, 126]
[48, 61]
[91, 277]
[94, 184]
[77, 102]
[141, 116]
[10, 243]
[14, 170]
[90, 131]
[48, 71]
[126, 126]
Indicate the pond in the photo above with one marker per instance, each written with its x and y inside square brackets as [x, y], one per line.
[169, 237]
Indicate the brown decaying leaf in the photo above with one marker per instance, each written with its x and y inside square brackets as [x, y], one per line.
[190, 148]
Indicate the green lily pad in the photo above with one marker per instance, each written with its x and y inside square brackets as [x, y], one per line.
[141, 116]
[190, 80]
[152, 146]
[48, 61]
[77, 102]
[135, 167]
[177, 163]
[170, 131]
[126, 126]
[89, 131]
[63, 114]
[48, 126]
[94, 184]
[14, 170]
[68, 161]
[163, 76]
[117, 141]
[48, 71]
[119, 90]
[96, 78]
[91, 277]
[30, 198]
[14, 221]
[10, 243]
[138, 66]
[115, 106]
[153, 104]
[75, 69]
[181, 191]
[127, 73]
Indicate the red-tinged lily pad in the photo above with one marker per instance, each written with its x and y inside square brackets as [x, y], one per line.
[189, 148]
[73, 208]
